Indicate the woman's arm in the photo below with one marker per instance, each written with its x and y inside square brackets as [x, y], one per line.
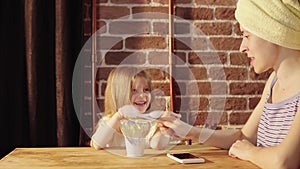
[225, 138]
[250, 129]
[217, 138]
[220, 138]
[284, 155]
[159, 140]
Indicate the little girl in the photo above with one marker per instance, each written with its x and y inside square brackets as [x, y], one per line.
[125, 86]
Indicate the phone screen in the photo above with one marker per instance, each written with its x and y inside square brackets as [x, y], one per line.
[184, 156]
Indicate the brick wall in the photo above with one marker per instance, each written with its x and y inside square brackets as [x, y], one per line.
[212, 77]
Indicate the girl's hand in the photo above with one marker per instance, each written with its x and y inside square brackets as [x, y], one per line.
[241, 149]
[120, 116]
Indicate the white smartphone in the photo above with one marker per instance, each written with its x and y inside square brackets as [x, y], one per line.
[186, 158]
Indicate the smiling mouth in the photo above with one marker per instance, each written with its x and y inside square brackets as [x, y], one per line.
[140, 103]
[251, 60]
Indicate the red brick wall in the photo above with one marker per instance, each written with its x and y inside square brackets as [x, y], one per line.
[209, 60]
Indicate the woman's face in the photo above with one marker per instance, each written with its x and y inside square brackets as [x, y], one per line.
[140, 94]
[263, 54]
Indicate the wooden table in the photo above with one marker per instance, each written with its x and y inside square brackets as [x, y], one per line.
[86, 158]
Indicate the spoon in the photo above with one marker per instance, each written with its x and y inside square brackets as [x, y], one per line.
[131, 112]
[152, 115]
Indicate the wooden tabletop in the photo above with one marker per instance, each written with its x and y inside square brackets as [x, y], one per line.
[86, 158]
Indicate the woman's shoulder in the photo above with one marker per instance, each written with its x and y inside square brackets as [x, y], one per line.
[272, 77]
[270, 81]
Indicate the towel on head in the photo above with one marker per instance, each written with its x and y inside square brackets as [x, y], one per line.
[277, 21]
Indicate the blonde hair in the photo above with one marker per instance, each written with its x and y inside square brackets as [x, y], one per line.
[119, 86]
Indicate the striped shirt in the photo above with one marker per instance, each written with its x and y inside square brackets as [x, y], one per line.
[276, 119]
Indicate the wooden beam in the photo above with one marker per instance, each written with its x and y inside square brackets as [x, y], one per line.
[171, 51]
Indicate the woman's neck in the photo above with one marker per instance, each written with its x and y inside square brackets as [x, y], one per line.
[288, 66]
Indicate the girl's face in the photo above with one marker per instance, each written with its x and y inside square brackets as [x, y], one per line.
[263, 54]
[140, 94]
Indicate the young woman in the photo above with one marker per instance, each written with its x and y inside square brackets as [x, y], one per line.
[271, 136]
[125, 86]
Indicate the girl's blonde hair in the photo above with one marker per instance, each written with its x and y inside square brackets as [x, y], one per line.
[119, 86]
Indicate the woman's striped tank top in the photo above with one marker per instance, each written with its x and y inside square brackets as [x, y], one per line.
[276, 119]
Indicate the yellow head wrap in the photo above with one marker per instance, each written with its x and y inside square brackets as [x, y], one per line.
[277, 21]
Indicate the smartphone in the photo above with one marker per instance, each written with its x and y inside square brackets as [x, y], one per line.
[186, 158]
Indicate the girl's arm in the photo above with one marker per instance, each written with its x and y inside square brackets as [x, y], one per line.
[105, 131]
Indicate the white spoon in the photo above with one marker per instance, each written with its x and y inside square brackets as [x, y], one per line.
[131, 112]
[152, 115]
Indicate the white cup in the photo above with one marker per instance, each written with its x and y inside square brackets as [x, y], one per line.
[134, 146]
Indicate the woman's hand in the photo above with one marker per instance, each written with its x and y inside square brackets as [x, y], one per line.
[241, 149]
[175, 126]
[171, 114]
[167, 115]
[162, 135]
